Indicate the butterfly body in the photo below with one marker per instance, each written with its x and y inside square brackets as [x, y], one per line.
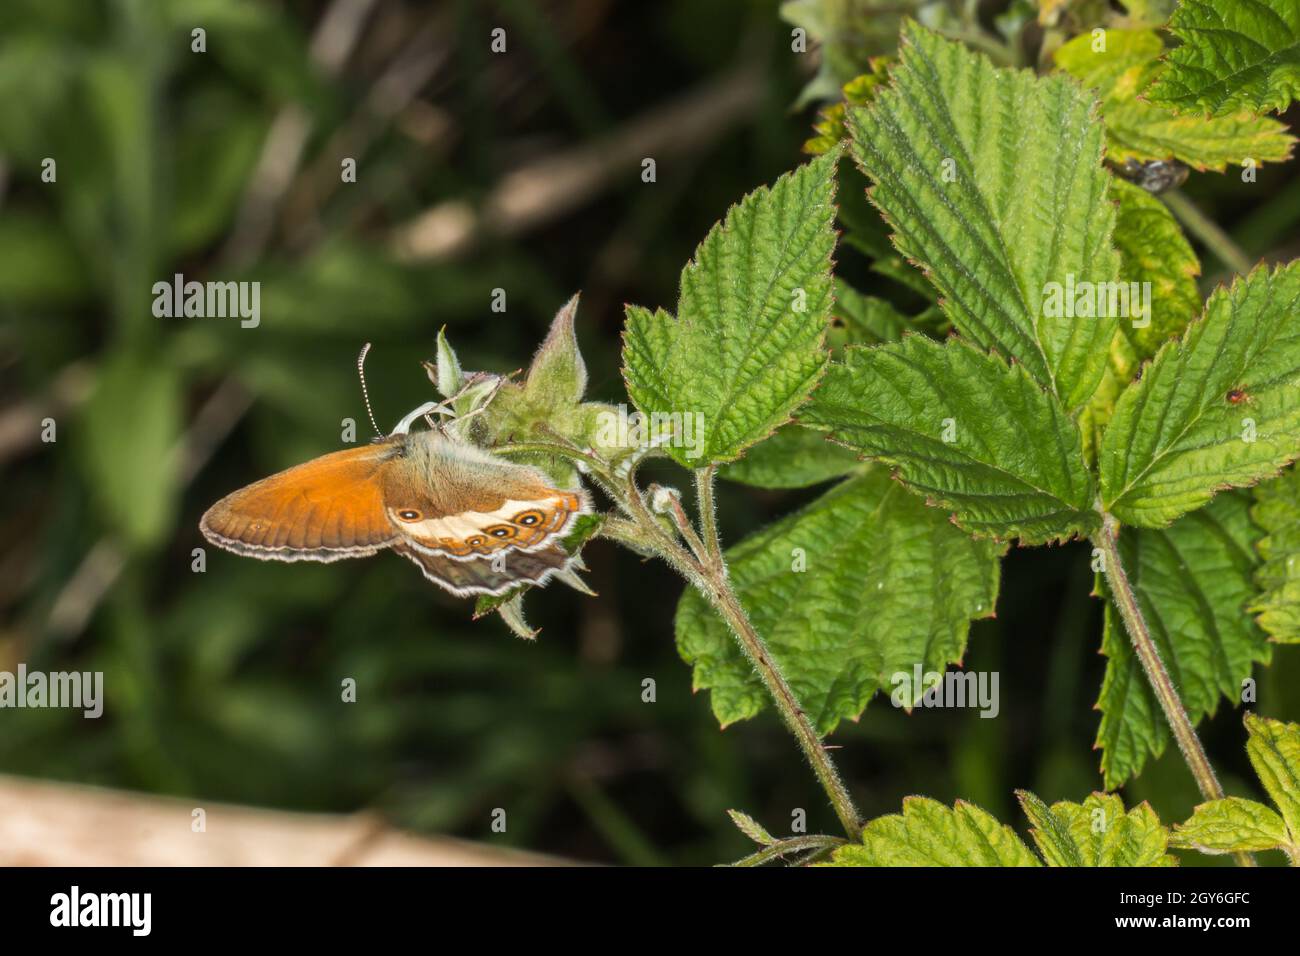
[474, 523]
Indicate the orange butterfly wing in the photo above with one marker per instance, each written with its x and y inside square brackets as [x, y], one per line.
[329, 508]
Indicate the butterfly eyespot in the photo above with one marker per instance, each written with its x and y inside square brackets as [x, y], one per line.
[409, 514]
[528, 518]
[501, 531]
[475, 541]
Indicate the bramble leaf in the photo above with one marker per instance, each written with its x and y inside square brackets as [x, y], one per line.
[1234, 824]
[927, 833]
[866, 319]
[1097, 832]
[950, 145]
[1277, 512]
[795, 457]
[1192, 582]
[1137, 129]
[747, 345]
[966, 430]
[1274, 751]
[1152, 248]
[1230, 825]
[844, 593]
[1235, 55]
[1219, 408]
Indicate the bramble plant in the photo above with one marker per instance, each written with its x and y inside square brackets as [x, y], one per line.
[1068, 383]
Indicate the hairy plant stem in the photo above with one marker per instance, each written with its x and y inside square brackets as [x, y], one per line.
[718, 591]
[1208, 231]
[1125, 599]
[703, 566]
[716, 586]
[800, 844]
[708, 513]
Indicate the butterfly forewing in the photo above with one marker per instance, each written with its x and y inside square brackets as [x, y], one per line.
[328, 508]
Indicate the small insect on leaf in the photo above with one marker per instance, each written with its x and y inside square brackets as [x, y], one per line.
[1237, 396]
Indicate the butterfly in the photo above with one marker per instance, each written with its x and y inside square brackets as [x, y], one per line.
[473, 522]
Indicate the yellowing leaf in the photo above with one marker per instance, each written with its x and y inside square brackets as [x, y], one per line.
[1153, 249]
[1121, 75]
[1277, 511]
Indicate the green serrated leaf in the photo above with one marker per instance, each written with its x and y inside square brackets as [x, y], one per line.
[1231, 825]
[1192, 582]
[746, 348]
[1234, 824]
[1097, 832]
[927, 833]
[966, 430]
[1274, 751]
[1103, 834]
[1137, 129]
[794, 457]
[1220, 408]
[886, 584]
[1277, 511]
[1050, 833]
[866, 319]
[1234, 55]
[950, 144]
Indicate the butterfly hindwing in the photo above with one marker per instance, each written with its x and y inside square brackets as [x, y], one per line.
[494, 575]
[474, 503]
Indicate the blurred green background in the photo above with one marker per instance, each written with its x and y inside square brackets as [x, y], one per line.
[476, 171]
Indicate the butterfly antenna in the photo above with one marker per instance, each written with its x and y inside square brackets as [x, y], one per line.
[365, 394]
